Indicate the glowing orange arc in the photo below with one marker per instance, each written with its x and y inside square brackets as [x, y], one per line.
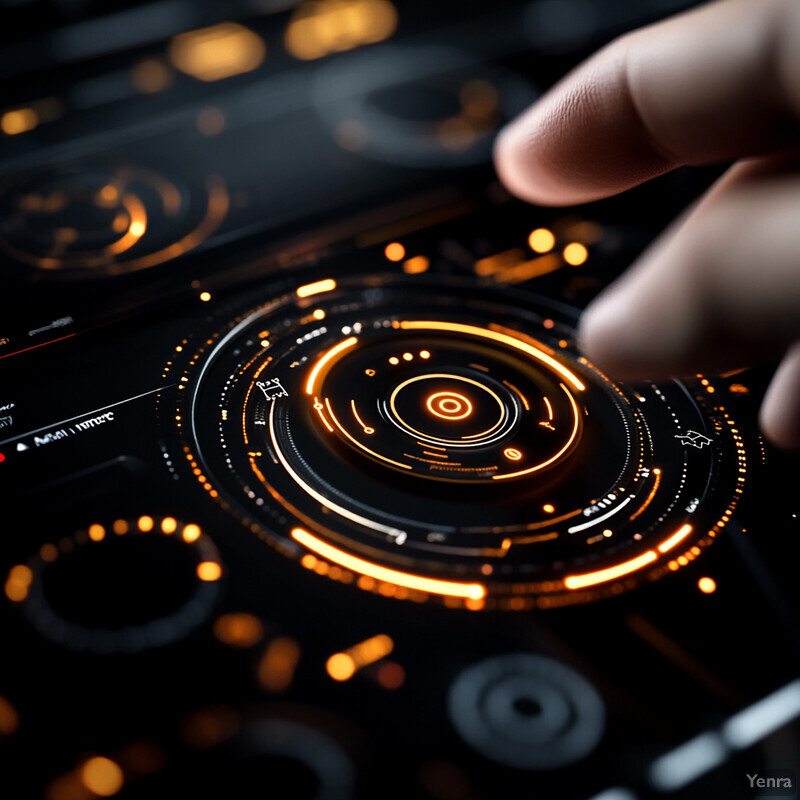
[573, 582]
[471, 591]
[675, 539]
[497, 336]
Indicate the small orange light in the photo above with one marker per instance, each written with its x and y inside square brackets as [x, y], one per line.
[169, 524]
[548, 508]
[541, 240]
[101, 776]
[318, 287]
[97, 532]
[707, 585]
[145, 524]
[120, 526]
[512, 454]
[318, 313]
[408, 357]
[341, 667]
[205, 296]
[217, 52]
[191, 533]
[394, 360]
[394, 251]
[209, 571]
[424, 354]
[20, 120]
[575, 254]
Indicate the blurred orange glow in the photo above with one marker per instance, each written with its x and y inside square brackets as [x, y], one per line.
[277, 666]
[318, 287]
[575, 254]
[191, 533]
[169, 524]
[707, 585]
[541, 240]
[394, 251]
[18, 582]
[97, 532]
[391, 675]
[145, 524]
[221, 51]
[102, 776]
[20, 120]
[321, 27]
[238, 630]
[413, 266]
[341, 666]
[151, 75]
[209, 571]
[9, 718]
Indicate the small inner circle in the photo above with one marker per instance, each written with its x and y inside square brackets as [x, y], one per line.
[449, 405]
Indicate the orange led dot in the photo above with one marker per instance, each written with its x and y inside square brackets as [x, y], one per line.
[341, 667]
[548, 323]
[575, 254]
[512, 454]
[394, 360]
[97, 532]
[407, 356]
[120, 526]
[191, 533]
[169, 524]
[608, 533]
[424, 354]
[394, 251]
[541, 240]
[137, 228]
[205, 296]
[548, 508]
[145, 524]
[209, 571]
[101, 776]
[318, 313]
[707, 585]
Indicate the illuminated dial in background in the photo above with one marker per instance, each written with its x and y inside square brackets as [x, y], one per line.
[434, 442]
[120, 587]
[98, 218]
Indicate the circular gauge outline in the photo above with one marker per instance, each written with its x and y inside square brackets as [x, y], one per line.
[135, 638]
[582, 586]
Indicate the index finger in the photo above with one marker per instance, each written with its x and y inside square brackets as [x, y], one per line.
[712, 85]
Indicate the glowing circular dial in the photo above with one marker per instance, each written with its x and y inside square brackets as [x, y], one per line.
[458, 448]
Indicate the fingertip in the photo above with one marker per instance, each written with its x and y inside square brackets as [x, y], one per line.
[779, 416]
[610, 338]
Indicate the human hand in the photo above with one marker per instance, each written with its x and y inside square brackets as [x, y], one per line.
[720, 288]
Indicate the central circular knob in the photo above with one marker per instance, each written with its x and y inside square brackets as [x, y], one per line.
[449, 405]
[447, 408]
